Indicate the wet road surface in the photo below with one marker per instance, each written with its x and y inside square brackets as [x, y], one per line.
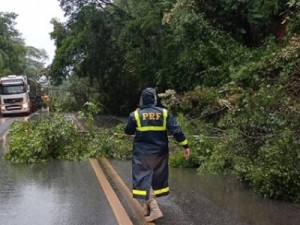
[215, 200]
[68, 193]
[4, 124]
[59, 192]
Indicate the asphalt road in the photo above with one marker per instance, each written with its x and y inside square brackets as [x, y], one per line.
[59, 192]
[215, 200]
[68, 193]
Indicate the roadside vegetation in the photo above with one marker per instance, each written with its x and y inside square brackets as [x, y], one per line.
[229, 70]
[57, 136]
[15, 56]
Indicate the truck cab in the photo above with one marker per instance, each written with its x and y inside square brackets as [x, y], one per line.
[14, 95]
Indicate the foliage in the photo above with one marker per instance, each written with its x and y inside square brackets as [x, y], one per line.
[35, 61]
[250, 22]
[275, 173]
[15, 57]
[169, 99]
[250, 132]
[56, 137]
[73, 94]
[256, 136]
[177, 160]
[197, 52]
[89, 110]
[113, 143]
[40, 140]
[143, 38]
[231, 67]
[168, 44]
[176, 154]
[293, 17]
[12, 49]
[72, 7]
[90, 53]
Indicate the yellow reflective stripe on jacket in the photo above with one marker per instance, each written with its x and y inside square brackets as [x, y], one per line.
[151, 128]
[139, 192]
[137, 118]
[161, 191]
[185, 142]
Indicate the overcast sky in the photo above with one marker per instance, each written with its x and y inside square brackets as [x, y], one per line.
[33, 21]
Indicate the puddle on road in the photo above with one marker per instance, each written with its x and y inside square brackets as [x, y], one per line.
[229, 194]
[58, 192]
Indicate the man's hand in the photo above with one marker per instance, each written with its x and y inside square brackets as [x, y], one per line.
[187, 153]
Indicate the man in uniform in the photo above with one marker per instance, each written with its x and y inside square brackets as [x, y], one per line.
[150, 174]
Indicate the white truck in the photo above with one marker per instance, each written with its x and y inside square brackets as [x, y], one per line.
[18, 94]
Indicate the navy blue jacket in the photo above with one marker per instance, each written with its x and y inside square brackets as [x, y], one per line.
[151, 125]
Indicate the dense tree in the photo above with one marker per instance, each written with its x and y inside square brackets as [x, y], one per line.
[248, 21]
[86, 49]
[15, 56]
[74, 6]
[167, 43]
[12, 49]
[120, 43]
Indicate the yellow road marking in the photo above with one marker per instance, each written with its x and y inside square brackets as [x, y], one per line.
[135, 204]
[125, 190]
[120, 213]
